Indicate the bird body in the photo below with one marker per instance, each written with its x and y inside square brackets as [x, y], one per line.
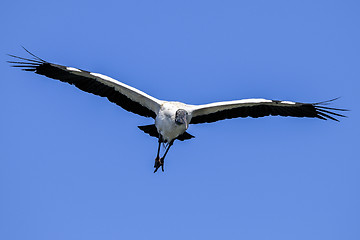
[172, 118]
[165, 120]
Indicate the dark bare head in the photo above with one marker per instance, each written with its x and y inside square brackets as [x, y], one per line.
[181, 117]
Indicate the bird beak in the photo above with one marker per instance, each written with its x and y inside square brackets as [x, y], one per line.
[182, 120]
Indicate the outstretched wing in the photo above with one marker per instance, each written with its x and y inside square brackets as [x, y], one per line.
[261, 107]
[129, 98]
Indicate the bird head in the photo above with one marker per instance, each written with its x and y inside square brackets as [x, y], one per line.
[181, 117]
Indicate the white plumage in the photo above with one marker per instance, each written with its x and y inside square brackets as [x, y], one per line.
[172, 119]
[165, 120]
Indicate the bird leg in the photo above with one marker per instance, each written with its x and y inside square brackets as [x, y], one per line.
[157, 159]
[160, 161]
[163, 158]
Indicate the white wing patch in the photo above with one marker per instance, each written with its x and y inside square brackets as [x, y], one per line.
[105, 77]
[132, 92]
[253, 100]
[287, 102]
[73, 69]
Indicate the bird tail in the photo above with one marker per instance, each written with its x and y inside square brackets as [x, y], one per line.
[152, 131]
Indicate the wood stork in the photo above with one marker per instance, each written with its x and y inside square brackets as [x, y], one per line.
[172, 119]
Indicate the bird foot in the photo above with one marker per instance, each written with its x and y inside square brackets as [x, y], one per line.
[159, 162]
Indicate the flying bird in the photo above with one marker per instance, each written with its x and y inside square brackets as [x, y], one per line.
[172, 118]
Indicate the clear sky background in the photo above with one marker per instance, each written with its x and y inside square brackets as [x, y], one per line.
[75, 166]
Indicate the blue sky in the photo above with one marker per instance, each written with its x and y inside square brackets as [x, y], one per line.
[75, 166]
